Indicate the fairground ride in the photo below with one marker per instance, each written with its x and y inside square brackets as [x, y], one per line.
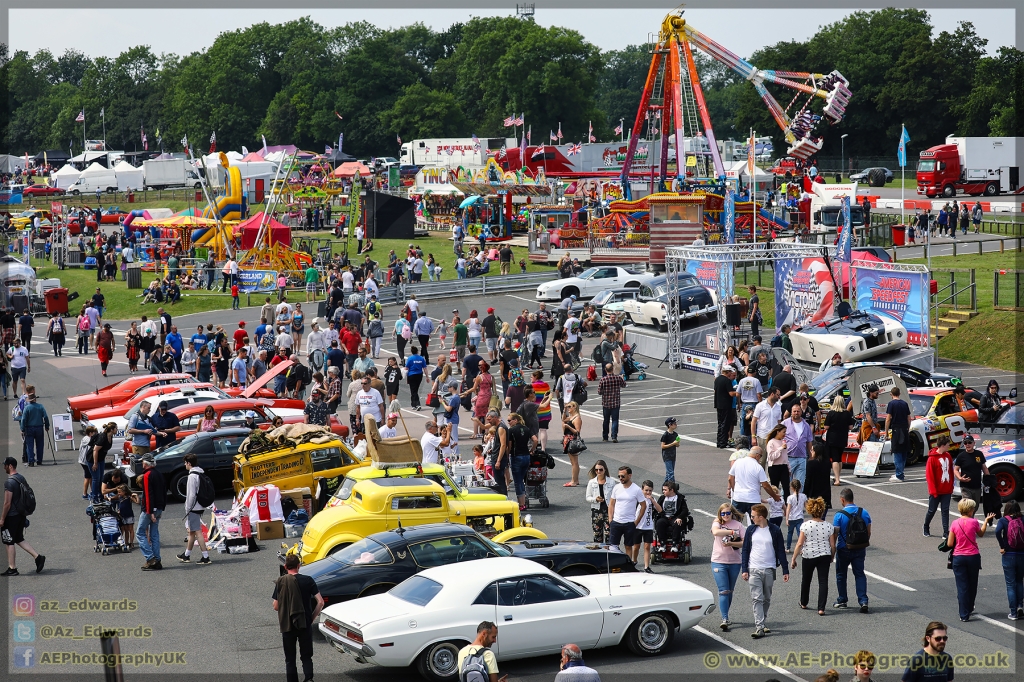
[673, 95]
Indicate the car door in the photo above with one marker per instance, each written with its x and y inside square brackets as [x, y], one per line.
[603, 278]
[224, 450]
[539, 613]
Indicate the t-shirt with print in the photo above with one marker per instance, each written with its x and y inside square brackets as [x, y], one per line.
[626, 502]
[647, 520]
[369, 403]
[796, 502]
[970, 464]
[816, 538]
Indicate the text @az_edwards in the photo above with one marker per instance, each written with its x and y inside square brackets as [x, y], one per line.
[94, 632]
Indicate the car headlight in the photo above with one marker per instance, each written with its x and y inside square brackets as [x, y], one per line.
[527, 520]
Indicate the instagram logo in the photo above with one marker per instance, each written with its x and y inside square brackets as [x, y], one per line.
[24, 605]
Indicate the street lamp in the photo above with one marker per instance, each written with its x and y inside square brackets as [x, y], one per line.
[842, 153]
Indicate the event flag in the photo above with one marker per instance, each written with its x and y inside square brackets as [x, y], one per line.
[901, 153]
[844, 244]
[81, 117]
[476, 143]
[509, 121]
[750, 159]
[399, 138]
[101, 113]
[145, 142]
[559, 130]
[575, 149]
[184, 143]
[590, 131]
[522, 148]
[341, 138]
[264, 143]
[519, 119]
[213, 141]
[618, 129]
[551, 134]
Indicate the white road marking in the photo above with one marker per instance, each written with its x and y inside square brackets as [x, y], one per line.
[905, 588]
[747, 652]
[531, 300]
[648, 429]
[705, 513]
[1005, 626]
[885, 492]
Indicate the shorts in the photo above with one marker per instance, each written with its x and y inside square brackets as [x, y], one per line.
[194, 522]
[87, 468]
[18, 373]
[543, 423]
[492, 344]
[622, 531]
[127, 521]
[644, 535]
[13, 530]
[310, 287]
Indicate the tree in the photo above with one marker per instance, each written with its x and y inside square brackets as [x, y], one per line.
[421, 112]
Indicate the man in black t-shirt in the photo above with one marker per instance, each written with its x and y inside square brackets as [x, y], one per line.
[12, 521]
[932, 663]
[8, 321]
[490, 334]
[112, 479]
[25, 323]
[786, 383]
[296, 619]
[669, 447]
[505, 259]
[166, 424]
[724, 394]
[968, 467]
[897, 418]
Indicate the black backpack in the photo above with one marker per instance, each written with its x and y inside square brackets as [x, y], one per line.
[857, 535]
[206, 493]
[579, 393]
[26, 497]
[777, 341]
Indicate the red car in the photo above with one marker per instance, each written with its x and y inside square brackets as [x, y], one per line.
[112, 216]
[126, 389]
[231, 414]
[41, 191]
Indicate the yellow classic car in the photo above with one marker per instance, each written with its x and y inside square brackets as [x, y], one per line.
[301, 466]
[379, 504]
[432, 472]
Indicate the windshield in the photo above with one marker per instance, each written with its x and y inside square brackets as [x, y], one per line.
[366, 552]
[499, 549]
[181, 448]
[1013, 415]
[416, 590]
[588, 273]
[830, 216]
[920, 404]
[829, 382]
[345, 491]
[926, 166]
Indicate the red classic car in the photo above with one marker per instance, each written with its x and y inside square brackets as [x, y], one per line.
[41, 191]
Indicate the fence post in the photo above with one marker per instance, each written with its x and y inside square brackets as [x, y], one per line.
[980, 242]
[974, 291]
[952, 288]
[954, 248]
[483, 284]
[995, 288]
[1016, 289]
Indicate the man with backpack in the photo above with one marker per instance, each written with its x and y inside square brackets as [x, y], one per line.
[199, 495]
[476, 661]
[854, 535]
[19, 503]
[781, 340]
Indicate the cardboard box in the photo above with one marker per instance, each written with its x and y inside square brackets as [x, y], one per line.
[302, 497]
[270, 530]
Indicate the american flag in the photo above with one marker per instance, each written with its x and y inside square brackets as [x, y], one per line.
[449, 151]
[327, 149]
[618, 129]
[509, 121]
[81, 117]
[399, 138]
[501, 152]
[519, 119]
[559, 131]
[575, 149]
[554, 138]
[145, 142]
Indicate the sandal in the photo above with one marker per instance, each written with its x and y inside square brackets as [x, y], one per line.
[803, 606]
[821, 613]
[570, 484]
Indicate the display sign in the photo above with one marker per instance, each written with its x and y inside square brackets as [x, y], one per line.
[804, 292]
[899, 295]
[882, 377]
[63, 429]
[867, 459]
[706, 272]
[256, 281]
[56, 208]
[700, 361]
[26, 245]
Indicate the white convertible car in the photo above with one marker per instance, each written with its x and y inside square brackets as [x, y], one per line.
[591, 282]
[857, 336]
[427, 618]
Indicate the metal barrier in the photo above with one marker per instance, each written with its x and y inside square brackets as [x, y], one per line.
[954, 290]
[1018, 293]
[453, 288]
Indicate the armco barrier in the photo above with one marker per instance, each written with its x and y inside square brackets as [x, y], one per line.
[453, 288]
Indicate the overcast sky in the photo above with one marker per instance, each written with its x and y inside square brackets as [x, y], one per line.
[742, 31]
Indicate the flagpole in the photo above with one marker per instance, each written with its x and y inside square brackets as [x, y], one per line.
[83, 135]
[103, 117]
[903, 179]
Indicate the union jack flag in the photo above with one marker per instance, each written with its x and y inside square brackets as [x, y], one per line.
[575, 149]
[618, 129]
[509, 121]
[501, 152]
[81, 116]
[519, 119]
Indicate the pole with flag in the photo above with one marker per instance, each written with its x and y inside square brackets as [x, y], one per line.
[559, 131]
[590, 132]
[104, 119]
[901, 154]
[341, 138]
[81, 119]
[751, 167]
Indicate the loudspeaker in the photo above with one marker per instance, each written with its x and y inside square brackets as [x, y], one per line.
[732, 314]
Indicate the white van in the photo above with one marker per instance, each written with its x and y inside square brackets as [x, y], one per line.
[88, 184]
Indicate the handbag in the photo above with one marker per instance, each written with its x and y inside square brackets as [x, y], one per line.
[864, 433]
[575, 445]
[944, 547]
[432, 399]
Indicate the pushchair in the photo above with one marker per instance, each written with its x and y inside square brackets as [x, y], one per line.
[631, 365]
[106, 528]
[537, 479]
[674, 547]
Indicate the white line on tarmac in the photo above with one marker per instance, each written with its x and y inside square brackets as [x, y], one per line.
[747, 652]
[885, 492]
[531, 300]
[905, 588]
[705, 513]
[648, 429]
[995, 622]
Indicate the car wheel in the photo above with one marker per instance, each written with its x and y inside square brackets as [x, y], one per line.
[916, 450]
[650, 635]
[75, 193]
[948, 191]
[991, 189]
[570, 291]
[179, 485]
[440, 662]
[658, 325]
[1009, 482]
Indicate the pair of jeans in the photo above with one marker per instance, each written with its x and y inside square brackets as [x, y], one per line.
[934, 502]
[900, 460]
[500, 486]
[148, 533]
[304, 638]
[761, 580]
[670, 469]
[725, 576]
[611, 414]
[797, 471]
[851, 558]
[34, 436]
[375, 342]
[1013, 571]
[820, 564]
[520, 465]
[794, 529]
[97, 480]
[965, 571]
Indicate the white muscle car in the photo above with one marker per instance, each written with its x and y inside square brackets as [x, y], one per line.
[429, 617]
[591, 282]
[857, 336]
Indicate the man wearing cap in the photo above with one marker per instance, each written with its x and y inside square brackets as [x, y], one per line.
[166, 424]
[34, 421]
[239, 369]
[390, 429]
[12, 521]
[423, 328]
[239, 335]
[316, 411]
[153, 502]
[488, 324]
[724, 394]
[250, 420]
[968, 467]
[869, 412]
[140, 428]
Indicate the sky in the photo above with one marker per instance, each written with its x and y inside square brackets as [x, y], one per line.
[740, 30]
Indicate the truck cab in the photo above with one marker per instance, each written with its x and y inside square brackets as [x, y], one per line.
[826, 207]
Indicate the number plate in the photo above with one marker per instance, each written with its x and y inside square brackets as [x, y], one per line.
[694, 308]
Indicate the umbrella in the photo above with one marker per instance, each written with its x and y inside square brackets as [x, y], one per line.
[469, 201]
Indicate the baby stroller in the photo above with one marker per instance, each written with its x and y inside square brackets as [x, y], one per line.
[106, 528]
[670, 543]
[537, 478]
[630, 365]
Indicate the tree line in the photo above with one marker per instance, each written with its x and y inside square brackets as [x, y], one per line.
[290, 82]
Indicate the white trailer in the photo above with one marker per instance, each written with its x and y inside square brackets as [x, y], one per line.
[464, 152]
[826, 206]
[986, 159]
[164, 173]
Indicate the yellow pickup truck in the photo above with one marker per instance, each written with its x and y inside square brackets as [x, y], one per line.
[380, 504]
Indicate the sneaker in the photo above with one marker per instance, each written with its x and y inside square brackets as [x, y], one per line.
[758, 633]
[40, 562]
[183, 558]
[926, 533]
[767, 630]
[648, 570]
[725, 625]
[1020, 614]
[1012, 615]
[840, 605]
[153, 566]
[203, 561]
[895, 479]
[864, 608]
[615, 440]
[10, 571]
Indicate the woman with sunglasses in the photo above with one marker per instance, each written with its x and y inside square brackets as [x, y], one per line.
[599, 491]
[726, 557]
[863, 664]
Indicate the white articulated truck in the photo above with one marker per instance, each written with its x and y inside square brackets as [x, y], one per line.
[166, 173]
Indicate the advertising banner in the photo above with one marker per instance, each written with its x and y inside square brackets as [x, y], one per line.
[700, 361]
[63, 430]
[900, 295]
[256, 281]
[804, 293]
[706, 272]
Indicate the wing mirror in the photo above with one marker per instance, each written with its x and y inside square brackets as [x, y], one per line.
[1013, 392]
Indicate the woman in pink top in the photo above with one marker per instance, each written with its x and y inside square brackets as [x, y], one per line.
[778, 458]
[210, 420]
[963, 538]
[726, 557]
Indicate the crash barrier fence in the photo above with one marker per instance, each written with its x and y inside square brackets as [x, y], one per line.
[1003, 297]
[959, 293]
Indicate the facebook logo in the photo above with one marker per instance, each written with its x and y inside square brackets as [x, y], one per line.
[24, 631]
[24, 657]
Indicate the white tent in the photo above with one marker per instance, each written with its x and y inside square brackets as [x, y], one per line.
[95, 169]
[128, 176]
[739, 171]
[65, 177]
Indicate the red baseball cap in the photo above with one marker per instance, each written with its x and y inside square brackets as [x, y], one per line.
[242, 323]
[490, 310]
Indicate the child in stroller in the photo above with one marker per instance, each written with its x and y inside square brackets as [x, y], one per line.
[672, 522]
[631, 365]
[106, 527]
